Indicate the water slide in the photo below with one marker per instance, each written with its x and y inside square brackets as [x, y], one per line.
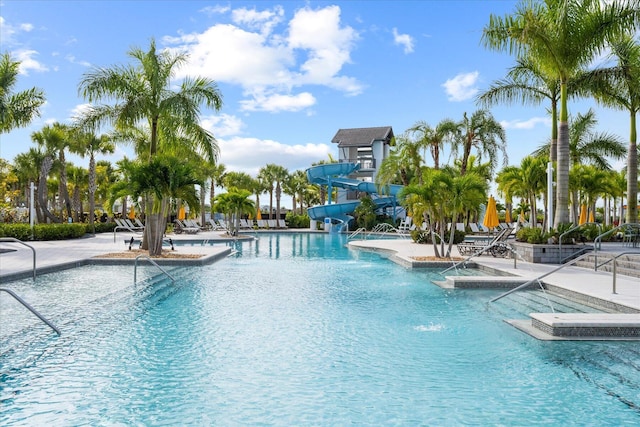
[334, 175]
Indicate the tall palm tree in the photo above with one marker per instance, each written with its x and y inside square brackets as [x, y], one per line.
[482, 132]
[49, 139]
[280, 175]
[527, 83]
[216, 176]
[17, 109]
[434, 139]
[588, 147]
[562, 37]
[89, 144]
[527, 181]
[26, 167]
[619, 87]
[143, 93]
[465, 192]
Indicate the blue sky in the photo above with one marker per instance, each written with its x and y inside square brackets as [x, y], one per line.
[291, 73]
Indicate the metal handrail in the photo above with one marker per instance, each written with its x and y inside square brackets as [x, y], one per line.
[614, 270]
[580, 252]
[480, 252]
[355, 233]
[597, 241]
[31, 309]
[384, 228]
[573, 229]
[537, 279]
[14, 240]
[135, 268]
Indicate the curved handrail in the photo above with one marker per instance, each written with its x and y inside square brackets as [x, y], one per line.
[598, 240]
[14, 240]
[542, 276]
[31, 309]
[613, 259]
[360, 230]
[147, 257]
[120, 227]
[573, 229]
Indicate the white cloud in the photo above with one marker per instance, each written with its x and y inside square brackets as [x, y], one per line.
[404, 40]
[8, 31]
[250, 154]
[215, 10]
[268, 65]
[73, 60]
[263, 21]
[526, 124]
[79, 110]
[275, 103]
[27, 62]
[462, 86]
[222, 125]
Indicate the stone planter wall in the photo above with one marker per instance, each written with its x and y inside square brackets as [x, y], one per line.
[545, 254]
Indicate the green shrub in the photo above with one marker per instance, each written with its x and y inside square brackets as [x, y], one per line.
[297, 221]
[102, 227]
[532, 235]
[18, 231]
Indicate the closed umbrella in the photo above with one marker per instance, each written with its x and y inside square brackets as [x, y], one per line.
[181, 213]
[591, 217]
[258, 214]
[521, 216]
[583, 215]
[507, 216]
[132, 213]
[491, 215]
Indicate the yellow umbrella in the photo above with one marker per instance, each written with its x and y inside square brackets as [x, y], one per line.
[491, 215]
[132, 213]
[583, 215]
[521, 218]
[591, 218]
[507, 216]
[258, 214]
[181, 213]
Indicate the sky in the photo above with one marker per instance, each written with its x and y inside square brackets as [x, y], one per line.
[291, 73]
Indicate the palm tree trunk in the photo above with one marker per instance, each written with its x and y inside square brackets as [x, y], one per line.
[562, 206]
[632, 174]
[278, 194]
[92, 192]
[42, 190]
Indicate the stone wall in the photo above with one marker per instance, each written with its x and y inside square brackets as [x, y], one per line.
[546, 254]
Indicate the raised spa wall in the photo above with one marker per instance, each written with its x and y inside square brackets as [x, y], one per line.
[546, 254]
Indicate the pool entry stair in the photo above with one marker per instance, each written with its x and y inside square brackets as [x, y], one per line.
[554, 313]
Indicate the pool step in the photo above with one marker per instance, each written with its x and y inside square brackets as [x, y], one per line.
[626, 265]
[480, 282]
[582, 326]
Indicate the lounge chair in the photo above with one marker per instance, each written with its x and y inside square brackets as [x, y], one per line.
[474, 228]
[271, 223]
[181, 227]
[471, 247]
[215, 226]
[262, 223]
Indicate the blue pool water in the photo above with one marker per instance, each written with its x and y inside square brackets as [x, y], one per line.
[295, 329]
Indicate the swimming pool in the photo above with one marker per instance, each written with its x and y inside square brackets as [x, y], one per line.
[295, 330]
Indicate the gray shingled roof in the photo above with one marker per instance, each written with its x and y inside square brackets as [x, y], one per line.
[362, 137]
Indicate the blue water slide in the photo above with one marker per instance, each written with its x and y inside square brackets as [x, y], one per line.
[333, 175]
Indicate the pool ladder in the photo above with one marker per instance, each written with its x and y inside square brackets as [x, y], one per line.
[31, 309]
[14, 240]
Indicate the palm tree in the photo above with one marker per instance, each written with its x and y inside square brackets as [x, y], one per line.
[619, 87]
[280, 174]
[88, 144]
[562, 37]
[591, 183]
[588, 147]
[166, 178]
[235, 202]
[49, 139]
[434, 139]
[79, 179]
[16, 109]
[216, 175]
[464, 193]
[526, 82]
[26, 167]
[144, 93]
[482, 132]
[528, 181]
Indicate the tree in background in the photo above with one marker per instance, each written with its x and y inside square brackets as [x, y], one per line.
[16, 109]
